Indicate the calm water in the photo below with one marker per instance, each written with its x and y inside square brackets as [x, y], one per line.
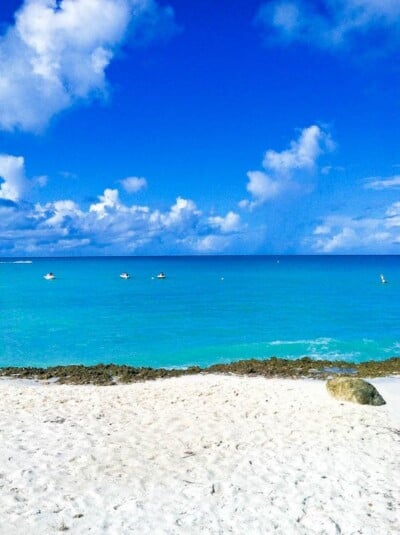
[209, 309]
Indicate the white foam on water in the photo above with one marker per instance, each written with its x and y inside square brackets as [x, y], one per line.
[16, 262]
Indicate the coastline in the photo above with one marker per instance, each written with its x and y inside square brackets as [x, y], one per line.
[111, 374]
[202, 453]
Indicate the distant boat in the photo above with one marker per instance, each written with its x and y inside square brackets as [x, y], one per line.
[383, 280]
[49, 276]
[161, 275]
[125, 275]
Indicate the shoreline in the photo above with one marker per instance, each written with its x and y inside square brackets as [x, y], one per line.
[113, 374]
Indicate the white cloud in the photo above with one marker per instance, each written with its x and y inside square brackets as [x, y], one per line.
[393, 210]
[286, 16]
[183, 214]
[211, 244]
[261, 188]
[393, 216]
[107, 226]
[322, 229]
[346, 238]
[41, 180]
[58, 50]
[12, 172]
[108, 201]
[380, 183]
[57, 212]
[330, 23]
[72, 244]
[281, 167]
[226, 224]
[302, 153]
[134, 184]
[346, 234]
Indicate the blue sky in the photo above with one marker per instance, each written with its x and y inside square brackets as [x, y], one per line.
[242, 127]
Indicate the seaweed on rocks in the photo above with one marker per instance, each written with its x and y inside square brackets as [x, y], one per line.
[111, 374]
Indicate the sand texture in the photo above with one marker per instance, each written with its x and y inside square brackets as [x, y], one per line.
[197, 455]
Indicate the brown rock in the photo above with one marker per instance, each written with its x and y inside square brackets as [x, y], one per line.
[355, 390]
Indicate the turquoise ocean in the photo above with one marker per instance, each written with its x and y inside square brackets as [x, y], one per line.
[208, 309]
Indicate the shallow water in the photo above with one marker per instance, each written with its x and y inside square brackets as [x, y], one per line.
[207, 310]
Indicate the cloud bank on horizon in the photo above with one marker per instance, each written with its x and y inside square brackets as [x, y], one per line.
[105, 226]
[304, 196]
[109, 225]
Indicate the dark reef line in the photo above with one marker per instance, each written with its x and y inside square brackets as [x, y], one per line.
[109, 374]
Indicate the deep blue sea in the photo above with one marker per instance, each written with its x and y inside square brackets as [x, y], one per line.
[208, 309]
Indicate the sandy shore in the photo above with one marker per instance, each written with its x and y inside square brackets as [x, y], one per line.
[198, 454]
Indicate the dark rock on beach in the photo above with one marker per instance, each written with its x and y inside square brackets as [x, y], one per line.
[111, 374]
[355, 390]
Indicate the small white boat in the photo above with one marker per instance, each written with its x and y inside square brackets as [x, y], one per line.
[49, 276]
[161, 275]
[383, 280]
[125, 275]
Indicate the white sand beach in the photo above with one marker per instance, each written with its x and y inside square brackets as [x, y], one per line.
[198, 454]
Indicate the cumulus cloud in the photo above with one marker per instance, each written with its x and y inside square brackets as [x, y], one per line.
[181, 213]
[281, 167]
[14, 183]
[105, 226]
[211, 243]
[302, 154]
[57, 53]
[59, 212]
[262, 188]
[344, 239]
[329, 23]
[134, 184]
[380, 183]
[346, 234]
[229, 223]
[109, 201]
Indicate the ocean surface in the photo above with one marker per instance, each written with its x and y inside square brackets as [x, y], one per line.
[208, 309]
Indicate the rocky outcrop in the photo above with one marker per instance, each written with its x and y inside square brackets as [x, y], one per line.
[355, 390]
